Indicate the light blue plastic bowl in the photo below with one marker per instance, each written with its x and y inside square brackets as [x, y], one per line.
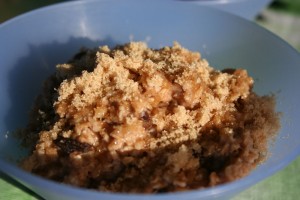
[33, 43]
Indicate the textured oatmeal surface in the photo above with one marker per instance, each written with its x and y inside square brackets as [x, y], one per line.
[135, 119]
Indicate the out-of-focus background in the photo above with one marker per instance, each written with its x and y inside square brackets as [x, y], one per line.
[282, 17]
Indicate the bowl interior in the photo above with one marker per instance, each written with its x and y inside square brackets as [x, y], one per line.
[32, 44]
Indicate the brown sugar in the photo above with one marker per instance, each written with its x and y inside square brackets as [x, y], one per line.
[135, 119]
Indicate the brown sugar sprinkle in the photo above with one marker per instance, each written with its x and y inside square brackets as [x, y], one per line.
[141, 120]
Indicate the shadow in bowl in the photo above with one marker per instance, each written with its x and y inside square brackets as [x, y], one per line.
[25, 81]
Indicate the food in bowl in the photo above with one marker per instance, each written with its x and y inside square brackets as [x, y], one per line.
[141, 120]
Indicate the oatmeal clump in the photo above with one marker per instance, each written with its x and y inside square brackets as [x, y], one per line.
[135, 119]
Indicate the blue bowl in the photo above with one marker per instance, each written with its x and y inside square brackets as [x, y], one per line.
[33, 43]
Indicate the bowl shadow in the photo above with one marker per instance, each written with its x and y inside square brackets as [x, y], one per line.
[25, 81]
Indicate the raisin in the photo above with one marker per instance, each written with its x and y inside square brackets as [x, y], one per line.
[67, 145]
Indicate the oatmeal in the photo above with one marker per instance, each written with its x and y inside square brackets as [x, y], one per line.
[135, 119]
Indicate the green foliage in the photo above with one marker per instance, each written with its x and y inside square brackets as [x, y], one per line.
[11, 8]
[291, 6]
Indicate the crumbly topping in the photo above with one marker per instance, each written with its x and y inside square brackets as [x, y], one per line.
[135, 119]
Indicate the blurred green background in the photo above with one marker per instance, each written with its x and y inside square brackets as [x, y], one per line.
[11, 8]
[289, 6]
